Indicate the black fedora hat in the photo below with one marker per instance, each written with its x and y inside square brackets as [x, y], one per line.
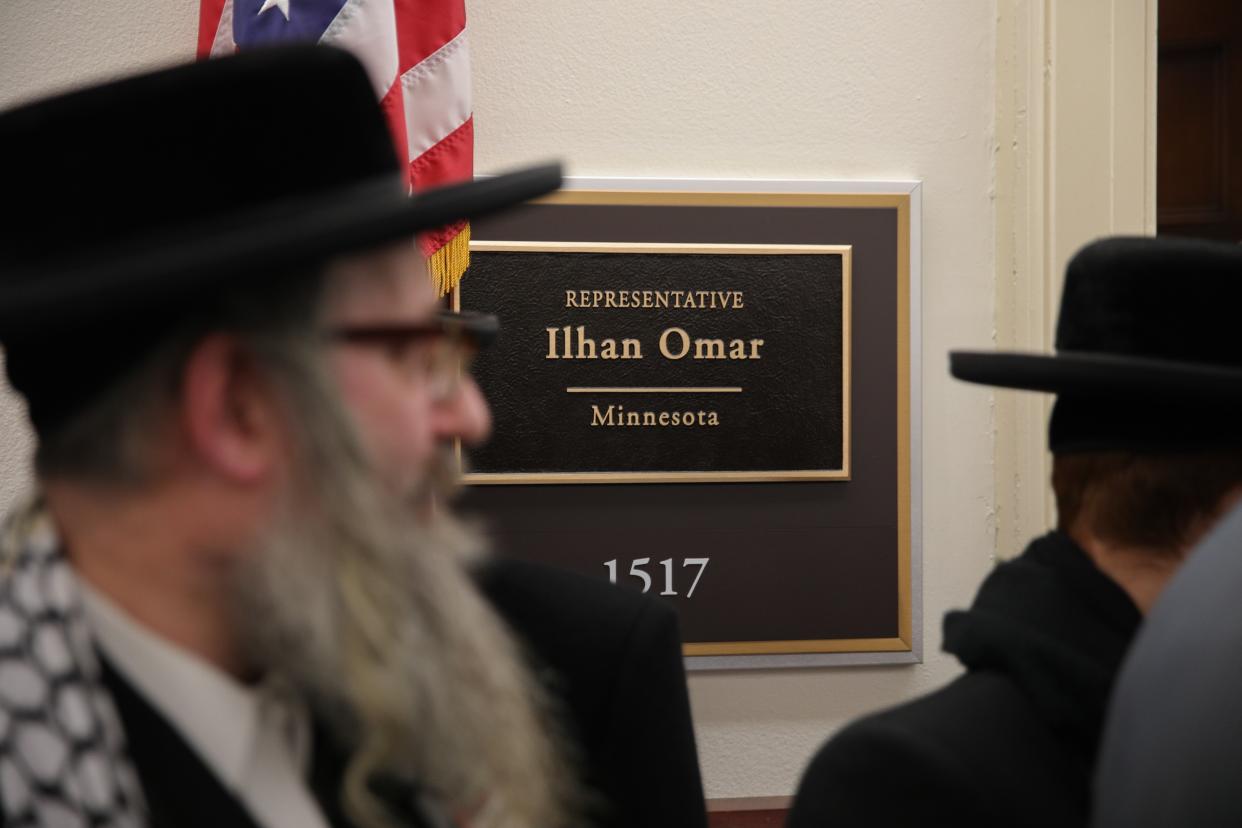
[135, 204]
[1148, 350]
[149, 189]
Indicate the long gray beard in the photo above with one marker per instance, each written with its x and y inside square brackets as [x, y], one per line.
[370, 612]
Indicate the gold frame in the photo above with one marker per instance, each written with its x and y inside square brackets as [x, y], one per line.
[901, 202]
[758, 476]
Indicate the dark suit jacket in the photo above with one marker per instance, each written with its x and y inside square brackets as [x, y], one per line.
[1012, 742]
[973, 754]
[612, 660]
[182, 792]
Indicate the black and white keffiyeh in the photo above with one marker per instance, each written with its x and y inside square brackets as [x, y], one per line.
[63, 762]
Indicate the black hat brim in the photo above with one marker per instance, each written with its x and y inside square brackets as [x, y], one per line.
[1097, 375]
[276, 238]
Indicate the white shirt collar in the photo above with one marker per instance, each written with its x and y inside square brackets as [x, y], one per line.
[255, 740]
[218, 716]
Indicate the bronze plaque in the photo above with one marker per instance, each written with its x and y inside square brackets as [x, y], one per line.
[631, 363]
[817, 561]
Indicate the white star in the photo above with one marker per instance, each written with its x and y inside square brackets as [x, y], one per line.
[283, 5]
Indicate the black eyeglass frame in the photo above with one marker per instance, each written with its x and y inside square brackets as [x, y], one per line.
[475, 329]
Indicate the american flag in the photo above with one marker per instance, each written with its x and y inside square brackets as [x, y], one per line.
[418, 57]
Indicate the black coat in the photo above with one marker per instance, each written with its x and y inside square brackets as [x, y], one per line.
[611, 659]
[1013, 741]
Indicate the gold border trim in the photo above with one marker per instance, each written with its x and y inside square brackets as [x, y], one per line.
[652, 247]
[556, 478]
[796, 647]
[904, 642]
[734, 199]
[905, 609]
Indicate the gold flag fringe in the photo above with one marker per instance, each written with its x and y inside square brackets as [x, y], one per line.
[449, 263]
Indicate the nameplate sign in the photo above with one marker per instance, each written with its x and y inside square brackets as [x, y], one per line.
[631, 363]
[733, 369]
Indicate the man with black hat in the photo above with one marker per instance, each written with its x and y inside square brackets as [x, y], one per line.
[1144, 436]
[237, 599]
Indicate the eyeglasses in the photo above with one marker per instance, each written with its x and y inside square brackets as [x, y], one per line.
[435, 353]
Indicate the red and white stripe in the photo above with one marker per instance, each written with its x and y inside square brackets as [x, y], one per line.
[215, 28]
[417, 54]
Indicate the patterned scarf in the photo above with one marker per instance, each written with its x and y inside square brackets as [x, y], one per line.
[63, 761]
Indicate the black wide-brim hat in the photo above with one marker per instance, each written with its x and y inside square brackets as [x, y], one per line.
[1148, 348]
[161, 185]
[135, 203]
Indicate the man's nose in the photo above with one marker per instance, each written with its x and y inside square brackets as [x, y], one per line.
[465, 414]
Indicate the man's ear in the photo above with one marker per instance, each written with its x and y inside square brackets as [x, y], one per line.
[229, 412]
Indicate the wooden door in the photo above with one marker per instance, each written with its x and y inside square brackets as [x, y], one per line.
[1199, 119]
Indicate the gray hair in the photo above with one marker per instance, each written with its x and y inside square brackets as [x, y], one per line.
[368, 611]
[371, 611]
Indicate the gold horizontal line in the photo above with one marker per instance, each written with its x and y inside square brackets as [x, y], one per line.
[554, 477]
[619, 390]
[837, 645]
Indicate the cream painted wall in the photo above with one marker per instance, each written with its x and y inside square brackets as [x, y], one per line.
[57, 44]
[709, 88]
[812, 89]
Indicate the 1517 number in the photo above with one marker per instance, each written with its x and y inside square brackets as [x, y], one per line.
[637, 570]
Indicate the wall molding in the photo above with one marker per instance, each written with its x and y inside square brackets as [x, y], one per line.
[1075, 159]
